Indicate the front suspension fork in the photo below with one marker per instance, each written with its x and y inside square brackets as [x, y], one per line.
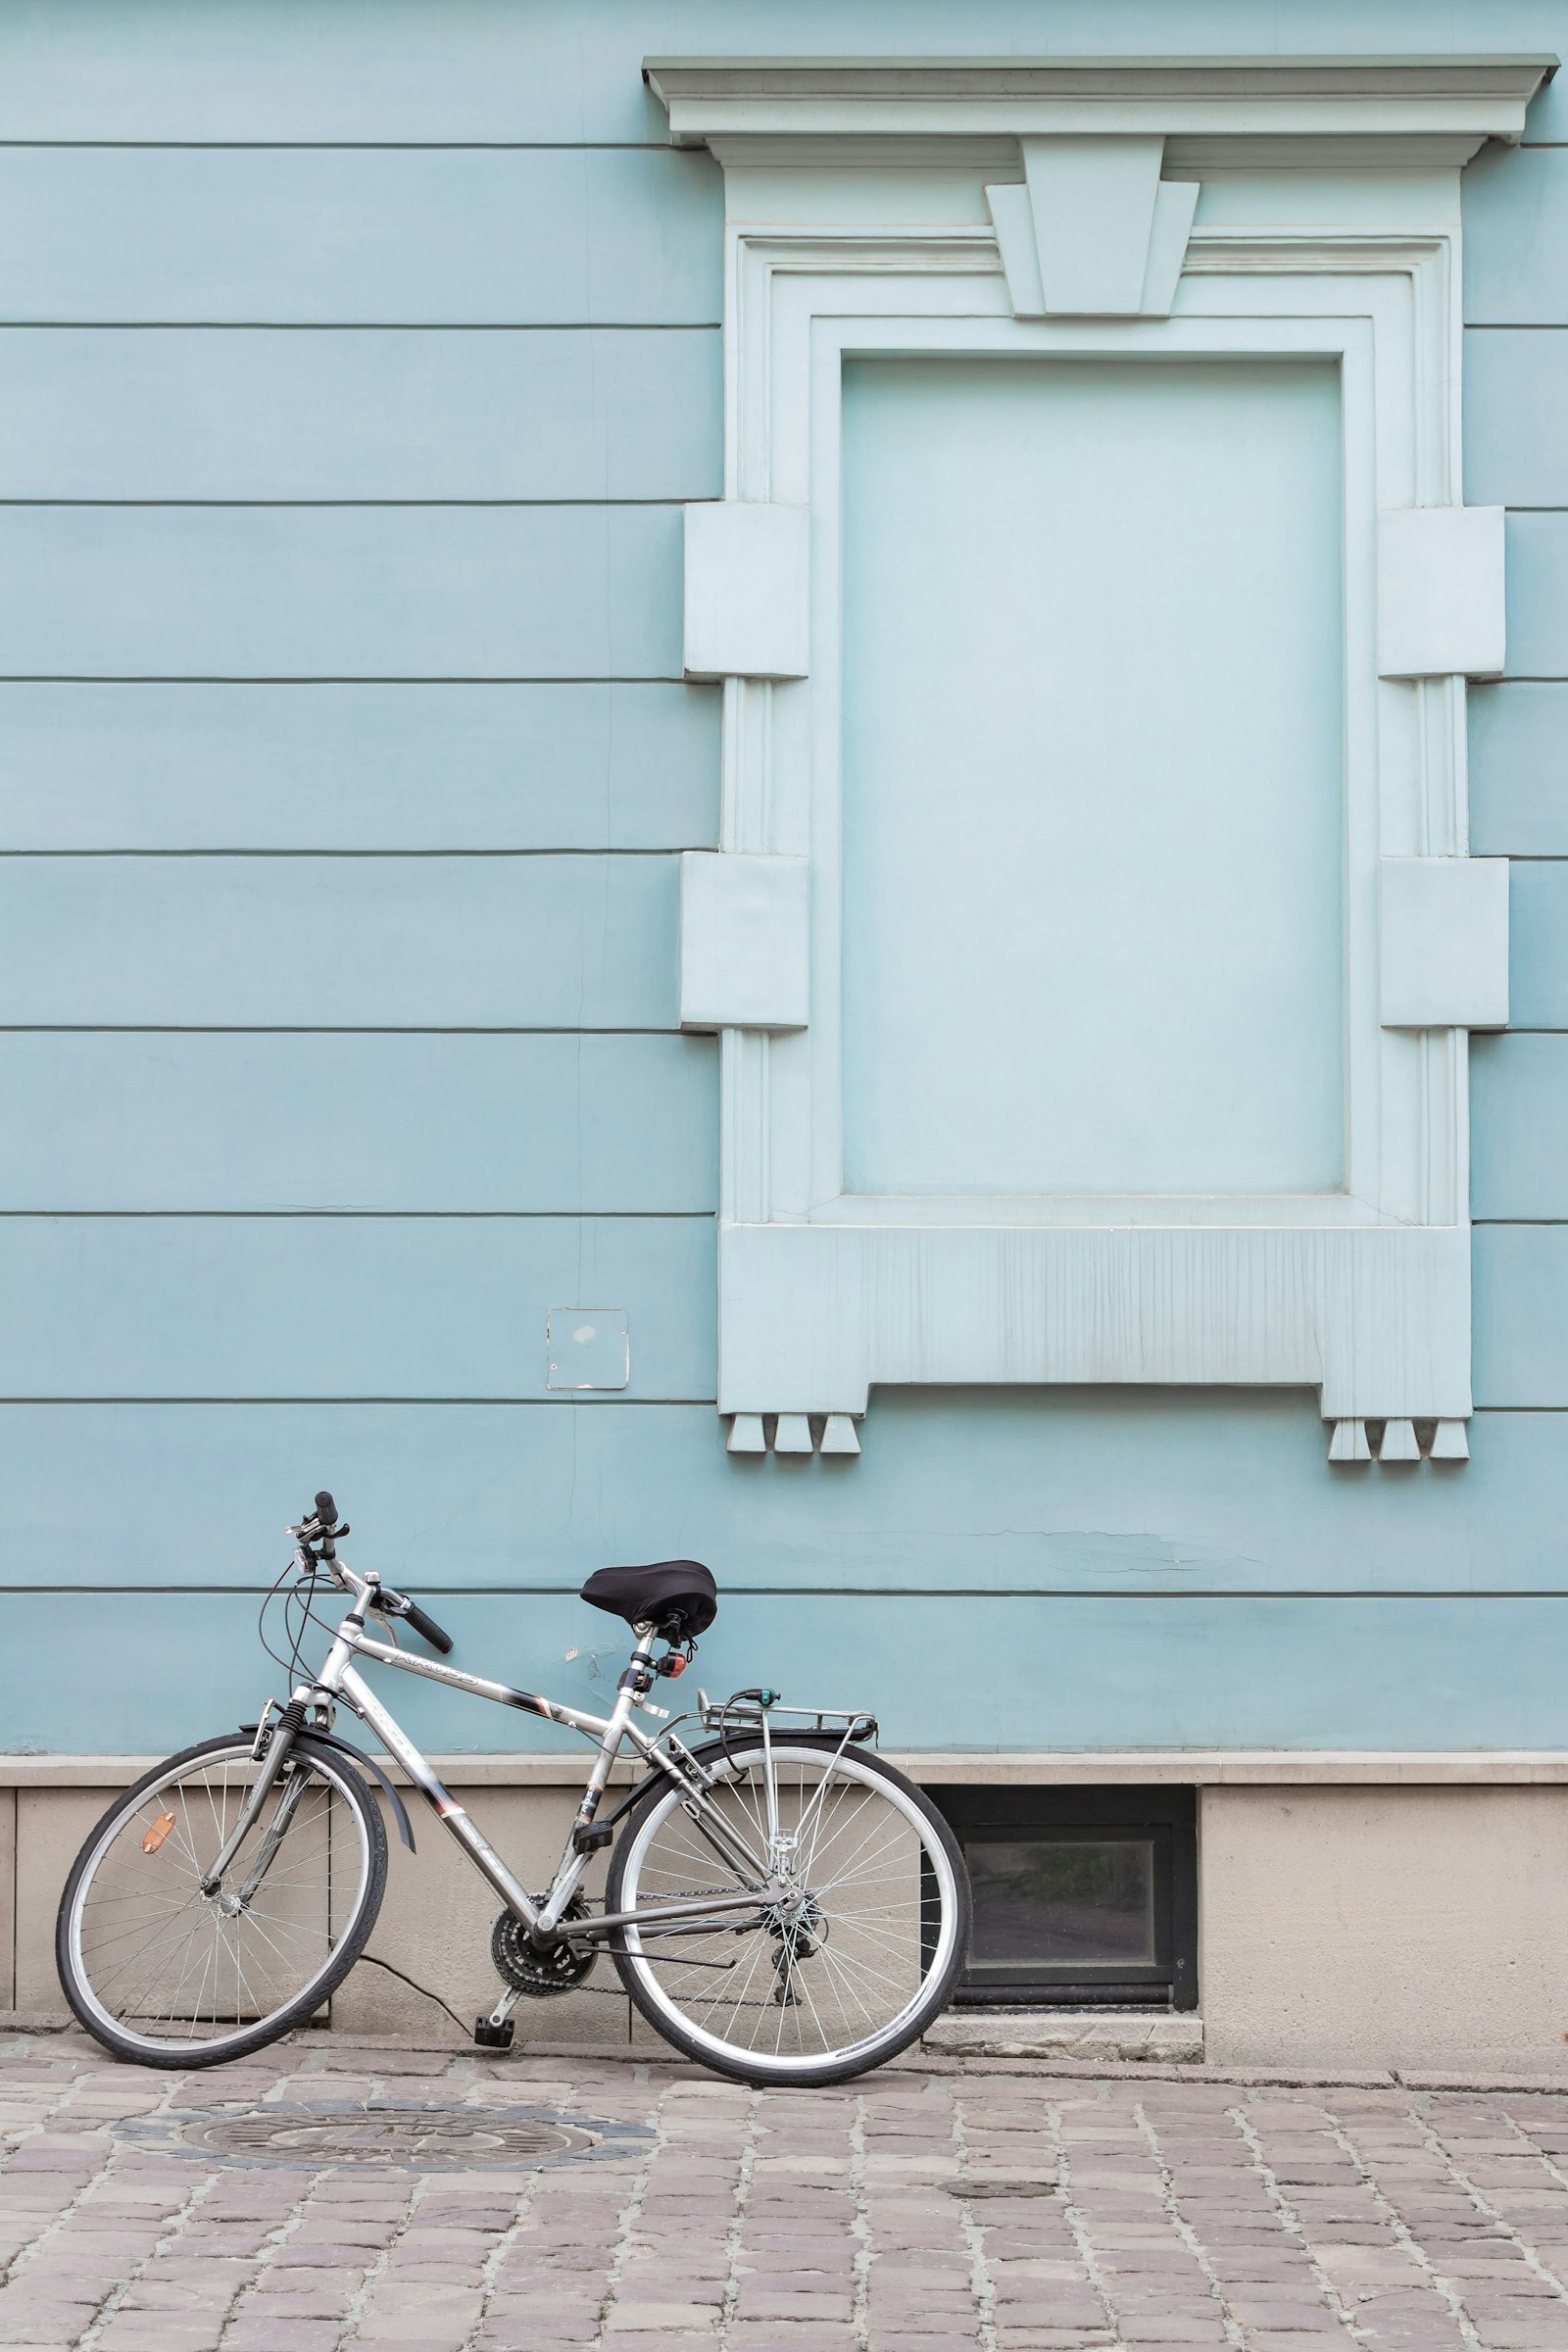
[278, 1750]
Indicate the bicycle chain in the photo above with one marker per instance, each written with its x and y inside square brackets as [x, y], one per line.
[558, 1968]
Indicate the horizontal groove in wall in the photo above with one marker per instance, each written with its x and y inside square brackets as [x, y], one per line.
[363, 326]
[640, 1404]
[97, 677]
[505, 850]
[208, 678]
[397, 1216]
[350, 851]
[271, 1029]
[421, 146]
[884, 1592]
[275, 506]
[493, 1218]
[355, 146]
[415, 146]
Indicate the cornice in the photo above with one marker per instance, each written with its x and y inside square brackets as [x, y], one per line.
[1448, 104]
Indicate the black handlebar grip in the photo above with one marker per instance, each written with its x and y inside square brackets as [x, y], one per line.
[434, 1634]
[326, 1509]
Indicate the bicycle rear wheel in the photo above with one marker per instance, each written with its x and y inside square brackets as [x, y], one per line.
[166, 1975]
[851, 1969]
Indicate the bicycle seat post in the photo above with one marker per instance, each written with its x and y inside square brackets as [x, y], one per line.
[634, 1686]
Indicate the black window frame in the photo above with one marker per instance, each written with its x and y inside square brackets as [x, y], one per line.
[1165, 1818]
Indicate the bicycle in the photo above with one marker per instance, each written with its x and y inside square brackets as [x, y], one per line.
[781, 1904]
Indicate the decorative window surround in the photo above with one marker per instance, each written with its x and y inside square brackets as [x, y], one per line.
[745, 570]
[745, 959]
[924, 207]
[1445, 942]
[1441, 606]
[1094, 232]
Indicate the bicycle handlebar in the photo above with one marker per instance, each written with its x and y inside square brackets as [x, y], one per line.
[385, 1599]
[399, 1604]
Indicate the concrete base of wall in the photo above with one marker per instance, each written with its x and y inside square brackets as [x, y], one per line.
[1378, 1927]
[1365, 1920]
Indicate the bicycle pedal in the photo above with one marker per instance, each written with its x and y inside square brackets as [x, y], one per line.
[488, 2036]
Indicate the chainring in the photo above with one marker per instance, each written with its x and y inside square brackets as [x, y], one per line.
[528, 1968]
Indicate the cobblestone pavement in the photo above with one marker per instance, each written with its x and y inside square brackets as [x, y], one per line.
[922, 2210]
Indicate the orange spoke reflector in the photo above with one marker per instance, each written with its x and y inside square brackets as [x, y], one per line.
[158, 1832]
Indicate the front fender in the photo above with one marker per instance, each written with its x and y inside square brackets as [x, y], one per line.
[345, 1747]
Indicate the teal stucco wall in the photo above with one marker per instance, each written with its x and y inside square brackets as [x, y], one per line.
[354, 364]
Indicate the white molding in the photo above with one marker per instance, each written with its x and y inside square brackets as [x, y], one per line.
[1362, 1294]
[1240, 1767]
[745, 591]
[744, 960]
[1376, 1319]
[1445, 942]
[1441, 606]
[1458, 101]
[1094, 232]
[791, 1433]
[1244, 1768]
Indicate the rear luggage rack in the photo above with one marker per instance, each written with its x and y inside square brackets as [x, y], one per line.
[745, 1711]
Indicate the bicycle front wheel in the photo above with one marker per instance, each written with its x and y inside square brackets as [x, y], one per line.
[849, 1969]
[165, 1972]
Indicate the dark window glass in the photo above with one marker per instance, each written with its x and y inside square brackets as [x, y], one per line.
[1080, 1894]
[1043, 1899]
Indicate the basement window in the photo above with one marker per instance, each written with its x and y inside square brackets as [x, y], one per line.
[1083, 1897]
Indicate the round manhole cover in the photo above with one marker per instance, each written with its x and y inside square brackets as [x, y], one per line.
[414, 2137]
[431, 2137]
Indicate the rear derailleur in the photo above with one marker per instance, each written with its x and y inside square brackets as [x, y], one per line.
[797, 1937]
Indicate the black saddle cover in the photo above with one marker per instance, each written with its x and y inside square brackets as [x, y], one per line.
[678, 1598]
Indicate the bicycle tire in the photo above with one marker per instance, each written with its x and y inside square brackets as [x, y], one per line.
[928, 1922]
[312, 1917]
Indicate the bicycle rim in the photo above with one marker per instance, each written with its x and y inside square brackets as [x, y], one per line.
[159, 1968]
[859, 1968]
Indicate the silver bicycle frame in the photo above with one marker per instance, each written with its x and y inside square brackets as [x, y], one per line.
[339, 1679]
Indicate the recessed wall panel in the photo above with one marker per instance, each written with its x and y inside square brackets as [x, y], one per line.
[1092, 776]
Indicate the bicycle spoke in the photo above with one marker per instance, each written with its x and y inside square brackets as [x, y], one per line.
[175, 1967]
[846, 1962]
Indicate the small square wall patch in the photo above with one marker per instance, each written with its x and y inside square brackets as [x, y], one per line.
[589, 1347]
